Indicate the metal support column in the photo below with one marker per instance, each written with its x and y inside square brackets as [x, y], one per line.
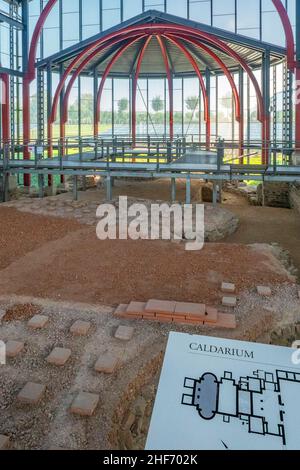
[208, 82]
[173, 189]
[75, 188]
[215, 193]
[26, 89]
[241, 123]
[297, 112]
[266, 97]
[95, 91]
[41, 186]
[108, 188]
[188, 198]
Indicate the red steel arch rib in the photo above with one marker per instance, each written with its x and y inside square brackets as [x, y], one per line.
[289, 34]
[170, 82]
[69, 69]
[161, 29]
[193, 62]
[115, 58]
[134, 88]
[225, 70]
[32, 56]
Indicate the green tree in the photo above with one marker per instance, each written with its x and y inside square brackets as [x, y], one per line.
[191, 103]
[157, 104]
[123, 104]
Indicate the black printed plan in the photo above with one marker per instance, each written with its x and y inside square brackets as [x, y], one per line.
[219, 394]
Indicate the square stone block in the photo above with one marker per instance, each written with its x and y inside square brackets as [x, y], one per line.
[4, 442]
[80, 328]
[59, 356]
[228, 288]
[107, 363]
[229, 301]
[160, 306]
[32, 393]
[124, 333]
[264, 291]
[85, 404]
[13, 348]
[38, 322]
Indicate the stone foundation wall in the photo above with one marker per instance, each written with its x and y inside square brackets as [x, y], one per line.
[274, 195]
[295, 196]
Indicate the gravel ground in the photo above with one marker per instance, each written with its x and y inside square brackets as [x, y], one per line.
[49, 425]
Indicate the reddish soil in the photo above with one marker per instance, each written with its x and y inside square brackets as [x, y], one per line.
[21, 312]
[79, 267]
[21, 233]
[268, 225]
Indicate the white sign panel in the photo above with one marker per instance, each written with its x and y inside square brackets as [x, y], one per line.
[219, 394]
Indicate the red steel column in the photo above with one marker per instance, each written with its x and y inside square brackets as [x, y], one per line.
[289, 34]
[297, 111]
[28, 78]
[5, 108]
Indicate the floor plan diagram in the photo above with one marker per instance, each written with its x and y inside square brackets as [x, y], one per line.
[223, 394]
[259, 401]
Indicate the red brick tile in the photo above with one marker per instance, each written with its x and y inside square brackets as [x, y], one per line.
[165, 320]
[226, 320]
[229, 301]
[211, 315]
[136, 308]
[228, 288]
[32, 393]
[13, 348]
[107, 363]
[190, 310]
[124, 333]
[59, 356]
[85, 404]
[38, 322]
[160, 306]
[264, 291]
[80, 328]
[149, 316]
[179, 318]
[193, 322]
[121, 310]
